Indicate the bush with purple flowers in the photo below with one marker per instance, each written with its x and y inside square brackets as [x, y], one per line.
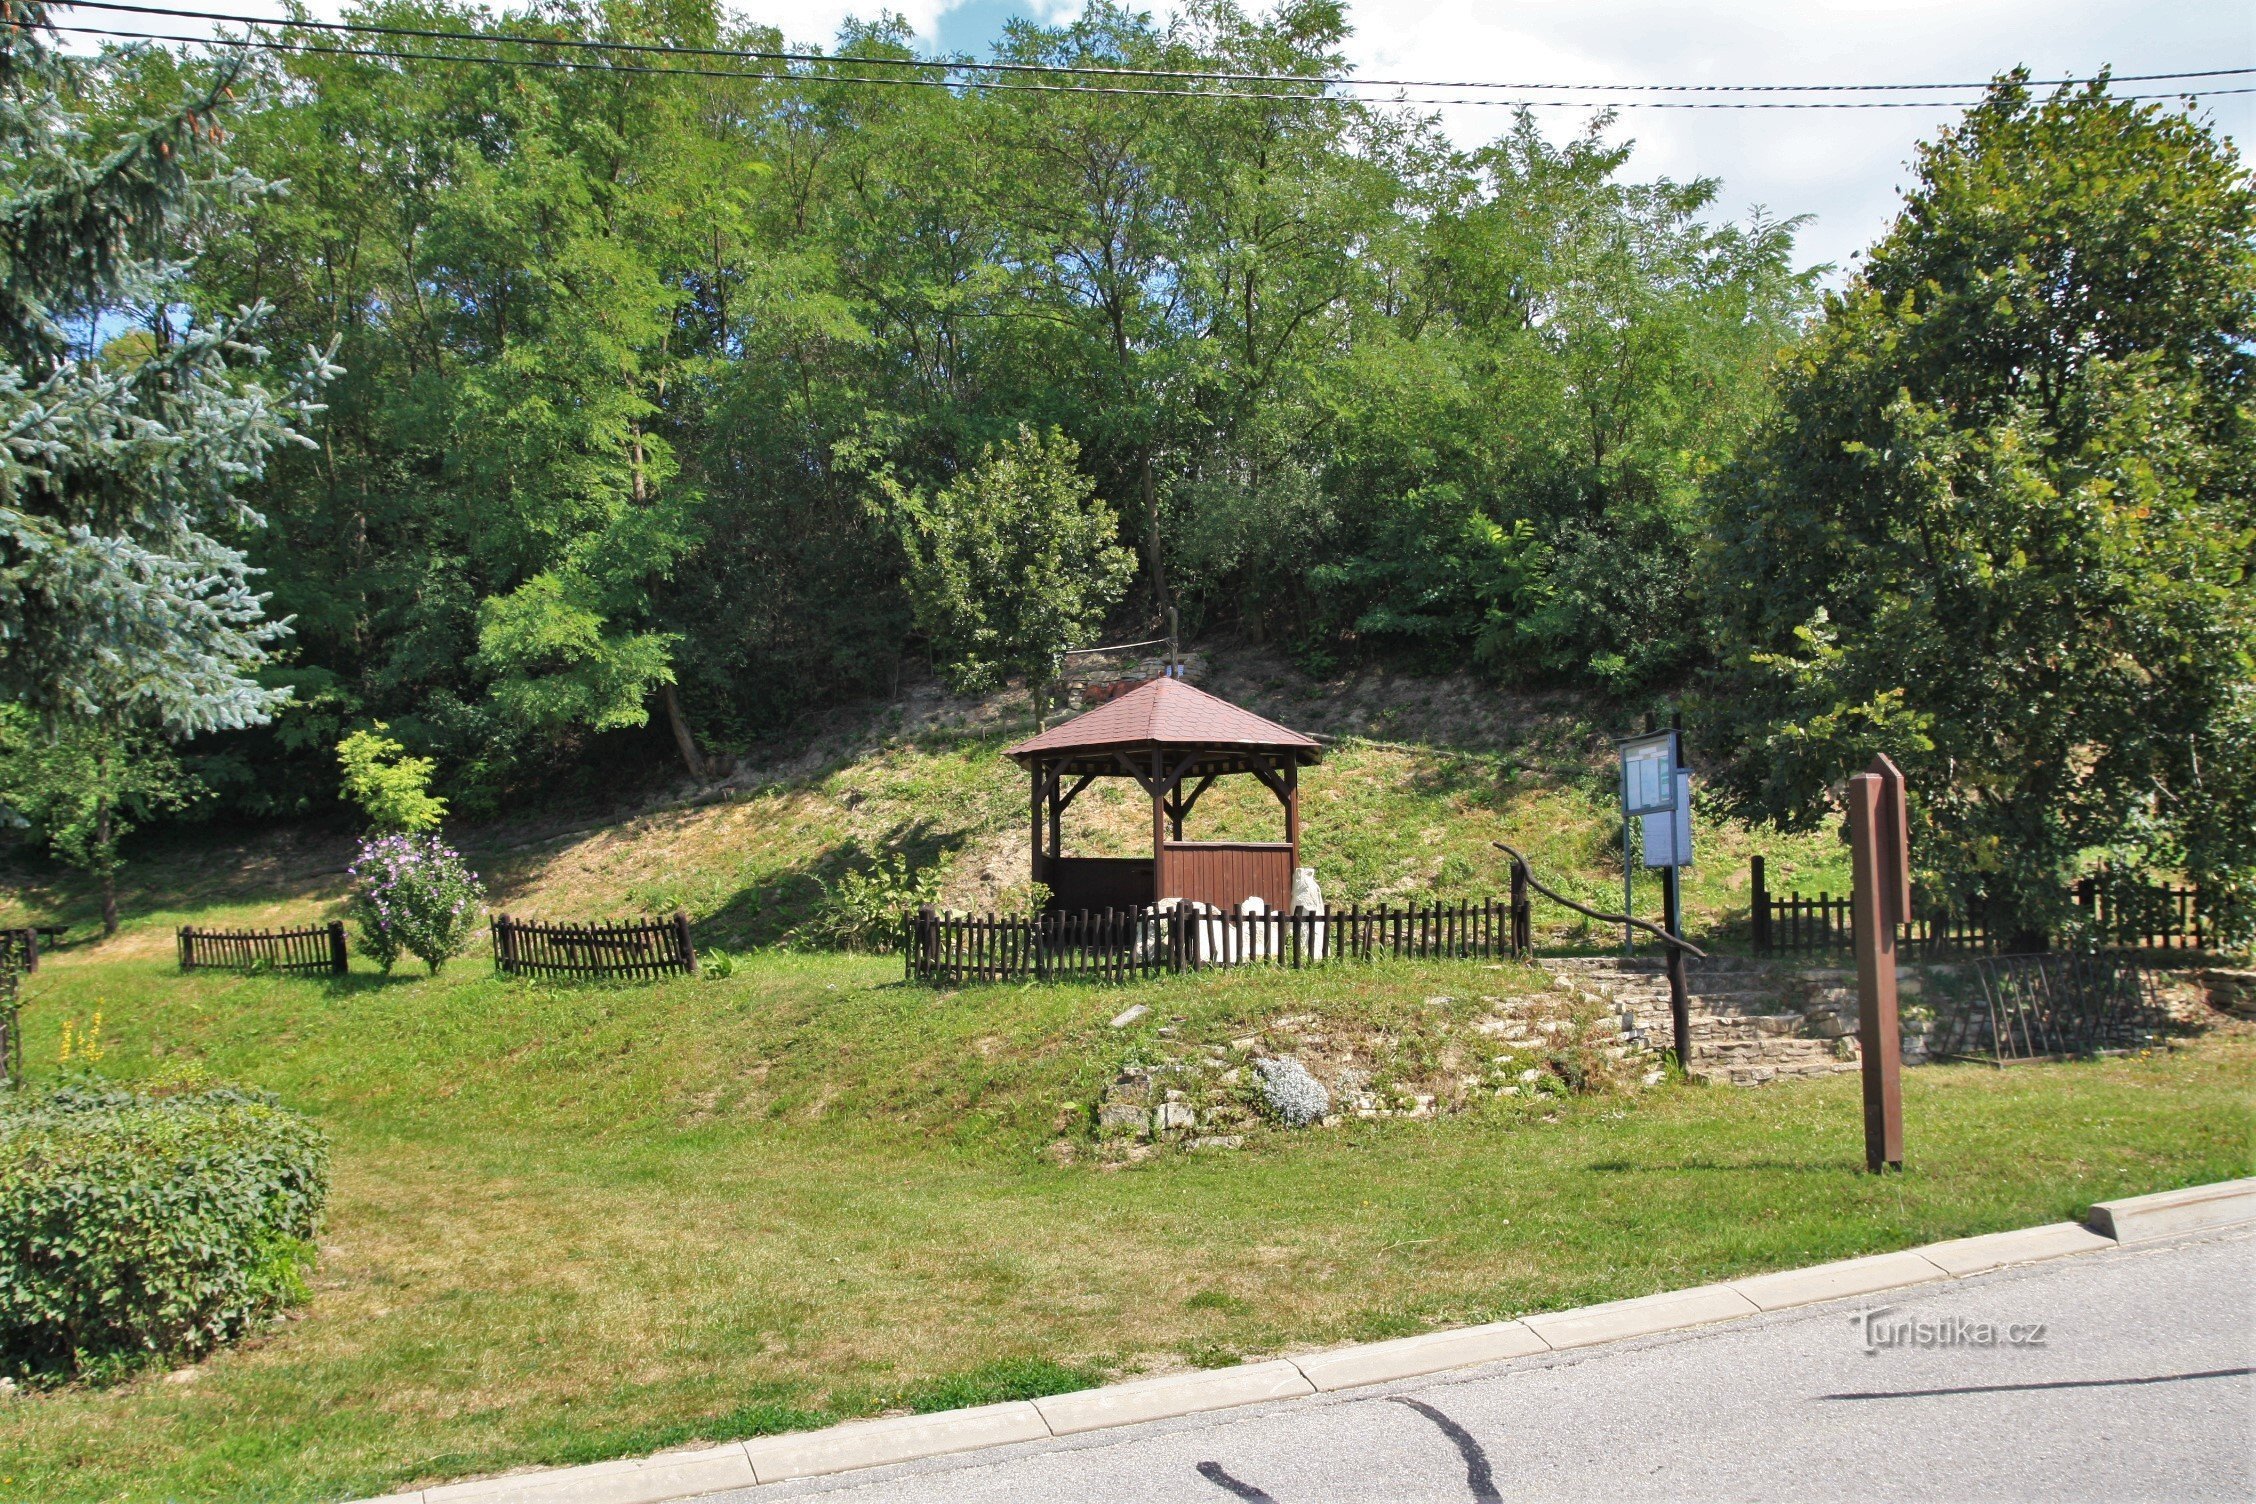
[413, 895]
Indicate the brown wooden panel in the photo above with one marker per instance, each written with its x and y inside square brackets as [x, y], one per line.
[1099, 882]
[1227, 873]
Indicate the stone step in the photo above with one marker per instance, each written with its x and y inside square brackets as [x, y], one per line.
[1762, 1074]
[1762, 1051]
[1744, 1032]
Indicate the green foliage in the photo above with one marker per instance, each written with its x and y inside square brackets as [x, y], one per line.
[139, 1227]
[393, 790]
[2003, 525]
[83, 786]
[623, 350]
[413, 895]
[1011, 562]
[865, 908]
[124, 595]
[1513, 463]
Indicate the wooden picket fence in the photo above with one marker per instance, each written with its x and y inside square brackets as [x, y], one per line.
[643, 947]
[315, 949]
[2125, 915]
[1118, 945]
[11, 1026]
[19, 949]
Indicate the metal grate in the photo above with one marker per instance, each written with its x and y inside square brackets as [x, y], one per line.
[2056, 1006]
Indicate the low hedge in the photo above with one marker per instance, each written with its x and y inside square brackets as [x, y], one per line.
[138, 1226]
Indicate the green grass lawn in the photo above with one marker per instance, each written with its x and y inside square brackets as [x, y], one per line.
[578, 1223]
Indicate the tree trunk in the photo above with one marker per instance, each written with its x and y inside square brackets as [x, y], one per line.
[1153, 560]
[102, 840]
[678, 723]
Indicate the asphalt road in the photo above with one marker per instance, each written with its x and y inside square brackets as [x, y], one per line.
[2128, 1374]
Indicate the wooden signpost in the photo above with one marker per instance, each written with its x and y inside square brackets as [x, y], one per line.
[1880, 860]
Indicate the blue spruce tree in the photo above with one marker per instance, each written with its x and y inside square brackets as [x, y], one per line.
[127, 618]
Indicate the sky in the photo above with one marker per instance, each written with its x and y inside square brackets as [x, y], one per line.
[1842, 168]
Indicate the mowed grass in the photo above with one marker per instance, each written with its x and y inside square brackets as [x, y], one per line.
[575, 1223]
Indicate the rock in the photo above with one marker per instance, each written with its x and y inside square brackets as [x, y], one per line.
[1114, 1116]
[1441, 1001]
[1218, 1141]
[1124, 1019]
[2230, 990]
[1531, 1074]
[1175, 1117]
[1246, 1043]
[1653, 1078]
[1293, 1096]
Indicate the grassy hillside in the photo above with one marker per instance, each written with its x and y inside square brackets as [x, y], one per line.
[1421, 776]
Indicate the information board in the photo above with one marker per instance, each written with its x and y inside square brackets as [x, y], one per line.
[1648, 773]
[1668, 836]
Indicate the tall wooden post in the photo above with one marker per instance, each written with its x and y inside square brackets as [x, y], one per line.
[1523, 911]
[684, 951]
[1680, 990]
[1880, 862]
[1759, 908]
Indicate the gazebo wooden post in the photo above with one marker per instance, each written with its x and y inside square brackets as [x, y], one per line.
[1159, 825]
[1037, 868]
[1292, 809]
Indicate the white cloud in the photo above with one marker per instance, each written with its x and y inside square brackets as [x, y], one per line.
[1844, 167]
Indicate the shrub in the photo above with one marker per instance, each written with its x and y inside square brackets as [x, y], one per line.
[413, 895]
[1289, 1094]
[137, 1226]
[863, 910]
[392, 789]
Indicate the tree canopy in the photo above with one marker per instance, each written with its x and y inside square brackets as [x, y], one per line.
[2002, 523]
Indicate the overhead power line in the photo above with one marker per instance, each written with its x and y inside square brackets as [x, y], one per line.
[1094, 70]
[275, 46]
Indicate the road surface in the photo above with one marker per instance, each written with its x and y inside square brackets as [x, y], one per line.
[2125, 1374]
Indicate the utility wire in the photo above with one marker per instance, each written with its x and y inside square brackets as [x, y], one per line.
[308, 49]
[1086, 69]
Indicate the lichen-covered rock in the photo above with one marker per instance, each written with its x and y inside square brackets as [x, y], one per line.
[1292, 1096]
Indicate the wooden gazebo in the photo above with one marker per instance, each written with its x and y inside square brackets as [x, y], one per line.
[1175, 741]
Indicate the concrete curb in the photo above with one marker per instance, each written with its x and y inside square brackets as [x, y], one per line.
[2137, 1219]
[907, 1438]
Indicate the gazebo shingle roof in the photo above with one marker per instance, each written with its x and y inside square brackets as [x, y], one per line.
[1168, 713]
